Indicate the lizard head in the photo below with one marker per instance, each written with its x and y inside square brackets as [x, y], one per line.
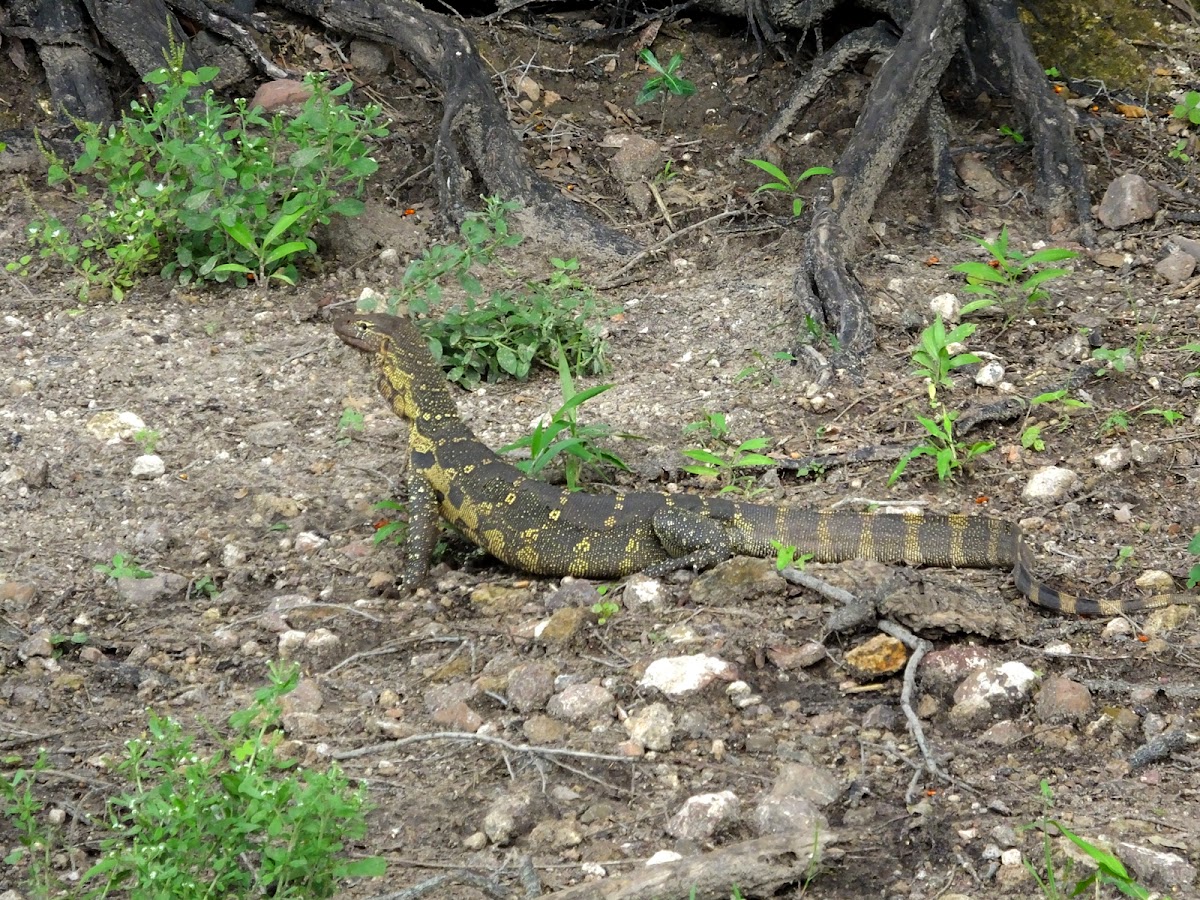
[409, 377]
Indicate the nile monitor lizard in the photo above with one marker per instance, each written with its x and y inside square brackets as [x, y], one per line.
[544, 530]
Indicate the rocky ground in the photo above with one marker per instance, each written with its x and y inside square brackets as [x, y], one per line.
[709, 711]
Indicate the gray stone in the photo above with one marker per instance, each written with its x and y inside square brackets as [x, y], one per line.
[1176, 266]
[148, 466]
[1159, 868]
[637, 158]
[788, 815]
[152, 590]
[1188, 245]
[1050, 483]
[370, 59]
[581, 703]
[275, 433]
[1063, 700]
[1128, 199]
[813, 783]
[653, 727]
[38, 644]
[509, 817]
[530, 685]
[738, 580]
[942, 671]
[703, 815]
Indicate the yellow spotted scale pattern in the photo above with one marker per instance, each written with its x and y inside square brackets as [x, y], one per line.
[544, 530]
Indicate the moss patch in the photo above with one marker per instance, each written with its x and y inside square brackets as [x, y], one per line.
[1090, 39]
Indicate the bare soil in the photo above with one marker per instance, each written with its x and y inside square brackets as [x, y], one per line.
[265, 496]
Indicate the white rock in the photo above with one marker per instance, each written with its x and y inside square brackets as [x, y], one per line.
[664, 856]
[309, 542]
[990, 374]
[113, 427]
[148, 466]
[1114, 459]
[1050, 483]
[677, 675]
[1011, 857]
[703, 815]
[290, 642]
[1144, 454]
[945, 305]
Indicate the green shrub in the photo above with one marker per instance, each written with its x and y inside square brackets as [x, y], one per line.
[206, 190]
[485, 338]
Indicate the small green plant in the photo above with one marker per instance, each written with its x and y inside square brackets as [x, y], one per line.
[1056, 886]
[1115, 360]
[1191, 348]
[1059, 396]
[605, 610]
[1117, 421]
[1193, 578]
[485, 338]
[713, 423]
[147, 439]
[1032, 435]
[206, 586]
[564, 436]
[1052, 72]
[393, 529]
[818, 333]
[666, 173]
[1171, 417]
[38, 838]
[350, 422]
[948, 452]
[760, 372]
[933, 359]
[1188, 110]
[205, 189]
[786, 556]
[1124, 557]
[243, 821]
[1031, 438]
[122, 566]
[1179, 151]
[1009, 132]
[66, 644]
[713, 465]
[666, 83]
[1012, 276]
[786, 185]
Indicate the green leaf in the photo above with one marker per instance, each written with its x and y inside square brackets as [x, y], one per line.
[305, 157]
[649, 91]
[814, 170]
[704, 456]
[369, 867]
[349, 207]
[507, 359]
[240, 233]
[283, 251]
[647, 56]
[774, 171]
[1050, 254]
[283, 224]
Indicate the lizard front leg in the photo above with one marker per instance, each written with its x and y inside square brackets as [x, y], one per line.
[423, 520]
[692, 541]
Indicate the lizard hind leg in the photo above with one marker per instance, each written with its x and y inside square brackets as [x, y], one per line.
[691, 540]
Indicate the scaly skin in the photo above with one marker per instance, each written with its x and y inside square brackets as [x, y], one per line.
[547, 531]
